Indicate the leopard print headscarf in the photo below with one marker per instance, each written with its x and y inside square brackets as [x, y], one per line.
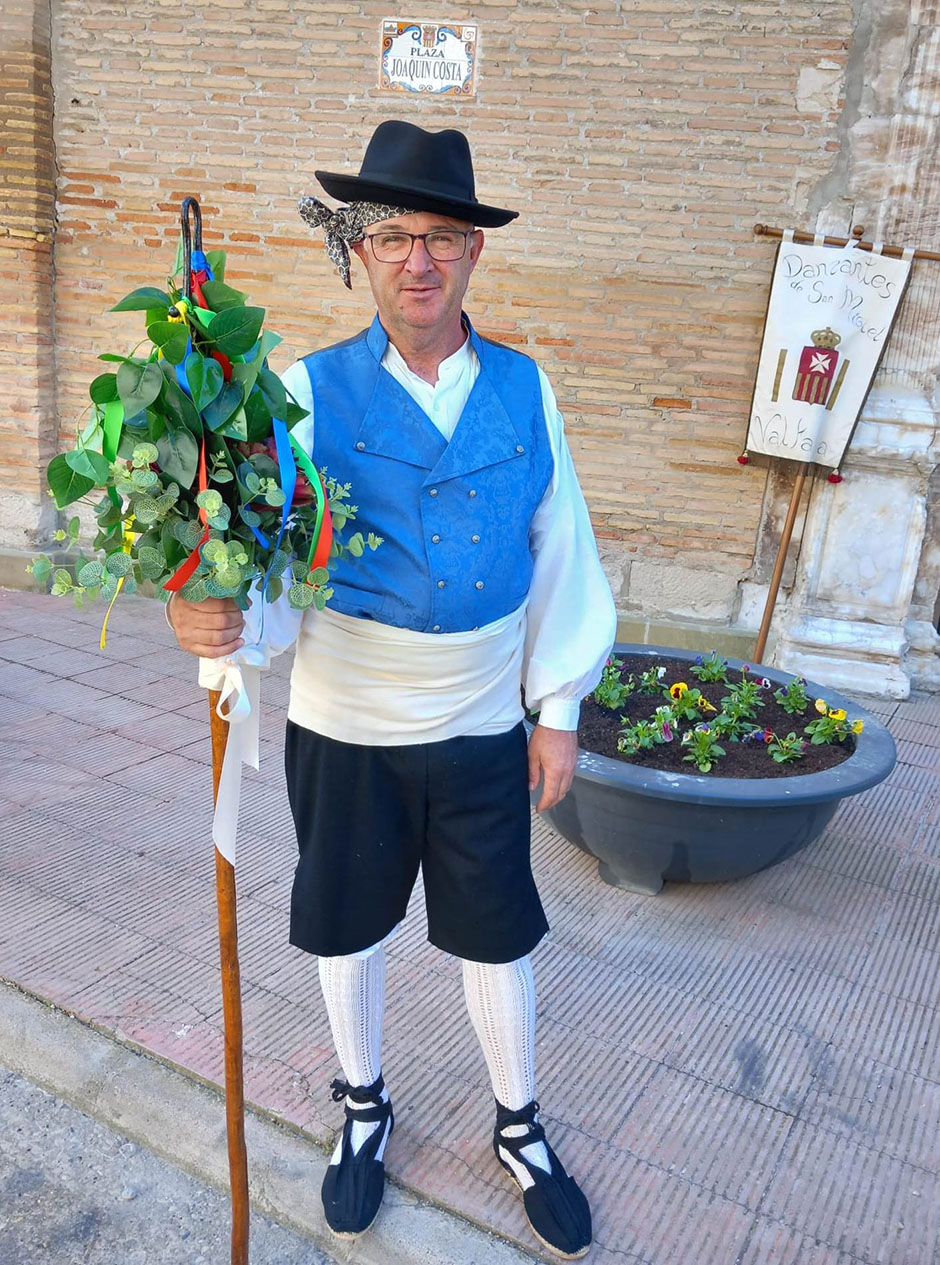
[346, 226]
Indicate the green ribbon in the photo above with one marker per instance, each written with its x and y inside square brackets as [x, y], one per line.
[111, 438]
[313, 478]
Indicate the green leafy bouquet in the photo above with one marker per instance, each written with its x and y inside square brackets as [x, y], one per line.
[199, 487]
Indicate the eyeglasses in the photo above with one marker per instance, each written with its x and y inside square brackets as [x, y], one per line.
[444, 244]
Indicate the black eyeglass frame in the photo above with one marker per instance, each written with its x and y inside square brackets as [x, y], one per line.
[419, 237]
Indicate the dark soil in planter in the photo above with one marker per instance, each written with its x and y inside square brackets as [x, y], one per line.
[600, 728]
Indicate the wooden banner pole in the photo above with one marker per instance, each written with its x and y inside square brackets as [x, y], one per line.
[894, 252]
[781, 560]
[232, 1012]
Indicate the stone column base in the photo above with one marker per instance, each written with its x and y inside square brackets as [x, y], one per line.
[846, 654]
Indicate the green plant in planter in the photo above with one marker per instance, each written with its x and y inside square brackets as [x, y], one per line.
[792, 697]
[681, 712]
[612, 691]
[704, 748]
[736, 720]
[784, 750]
[642, 736]
[832, 725]
[688, 704]
[710, 667]
[650, 681]
[743, 698]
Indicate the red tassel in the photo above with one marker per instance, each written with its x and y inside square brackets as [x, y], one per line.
[744, 459]
[834, 477]
[226, 364]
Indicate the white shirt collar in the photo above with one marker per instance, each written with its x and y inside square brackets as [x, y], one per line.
[447, 370]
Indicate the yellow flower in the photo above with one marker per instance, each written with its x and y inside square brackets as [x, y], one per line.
[706, 705]
[677, 690]
[857, 726]
[838, 714]
[822, 706]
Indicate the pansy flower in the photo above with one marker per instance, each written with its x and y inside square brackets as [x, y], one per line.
[822, 706]
[677, 690]
[838, 714]
[857, 726]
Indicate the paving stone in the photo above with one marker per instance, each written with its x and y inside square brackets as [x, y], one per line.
[920, 754]
[116, 678]
[681, 1125]
[889, 814]
[889, 1210]
[21, 681]
[771, 1243]
[167, 731]
[879, 1107]
[898, 1033]
[738, 1072]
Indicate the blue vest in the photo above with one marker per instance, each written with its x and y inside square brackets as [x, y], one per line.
[454, 516]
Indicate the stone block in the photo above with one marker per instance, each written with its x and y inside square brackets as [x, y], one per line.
[616, 568]
[664, 588]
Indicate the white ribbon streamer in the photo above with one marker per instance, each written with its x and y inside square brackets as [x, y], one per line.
[238, 680]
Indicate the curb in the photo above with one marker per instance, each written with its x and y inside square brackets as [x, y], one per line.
[183, 1121]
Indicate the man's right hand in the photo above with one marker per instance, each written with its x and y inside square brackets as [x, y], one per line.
[211, 629]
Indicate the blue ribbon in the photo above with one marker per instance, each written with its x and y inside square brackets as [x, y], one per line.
[181, 370]
[199, 263]
[258, 535]
[288, 468]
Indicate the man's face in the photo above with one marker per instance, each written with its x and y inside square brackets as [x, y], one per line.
[420, 292]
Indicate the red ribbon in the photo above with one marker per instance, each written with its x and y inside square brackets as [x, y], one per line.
[325, 538]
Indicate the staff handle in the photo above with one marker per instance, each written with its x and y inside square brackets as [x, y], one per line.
[231, 1010]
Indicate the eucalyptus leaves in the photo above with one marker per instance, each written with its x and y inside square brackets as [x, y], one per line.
[189, 463]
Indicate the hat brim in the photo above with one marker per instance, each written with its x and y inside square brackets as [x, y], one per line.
[355, 189]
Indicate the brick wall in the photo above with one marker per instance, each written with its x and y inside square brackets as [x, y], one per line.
[639, 140]
[27, 204]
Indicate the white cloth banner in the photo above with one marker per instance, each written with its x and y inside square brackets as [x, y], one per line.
[828, 320]
[238, 679]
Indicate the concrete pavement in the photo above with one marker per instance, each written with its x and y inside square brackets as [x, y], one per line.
[743, 1073]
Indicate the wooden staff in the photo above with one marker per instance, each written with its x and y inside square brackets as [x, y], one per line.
[779, 564]
[895, 252]
[231, 1010]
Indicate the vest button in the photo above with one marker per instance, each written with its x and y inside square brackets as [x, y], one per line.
[436, 628]
[360, 447]
[519, 448]
[432, 492]
[475, 539]
[479, 584]
[436, 540]
[440, 584]
[471, 492]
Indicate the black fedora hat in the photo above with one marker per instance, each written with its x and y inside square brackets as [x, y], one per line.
[422, 171]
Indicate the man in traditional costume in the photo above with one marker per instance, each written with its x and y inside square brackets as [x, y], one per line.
[405, 743]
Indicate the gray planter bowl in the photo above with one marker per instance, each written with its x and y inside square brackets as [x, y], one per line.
[647, 827]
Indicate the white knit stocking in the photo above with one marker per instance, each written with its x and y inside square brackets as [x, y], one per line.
[354, 992]
[501, 1002]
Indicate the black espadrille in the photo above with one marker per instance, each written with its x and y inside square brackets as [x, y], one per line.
[353, 1187]
[558, 1212]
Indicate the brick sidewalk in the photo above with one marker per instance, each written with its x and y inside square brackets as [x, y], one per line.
[740, 1073]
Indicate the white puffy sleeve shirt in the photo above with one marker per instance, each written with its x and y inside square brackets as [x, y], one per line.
[360, 681]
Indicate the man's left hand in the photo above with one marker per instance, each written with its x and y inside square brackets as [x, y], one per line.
[554, 753]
